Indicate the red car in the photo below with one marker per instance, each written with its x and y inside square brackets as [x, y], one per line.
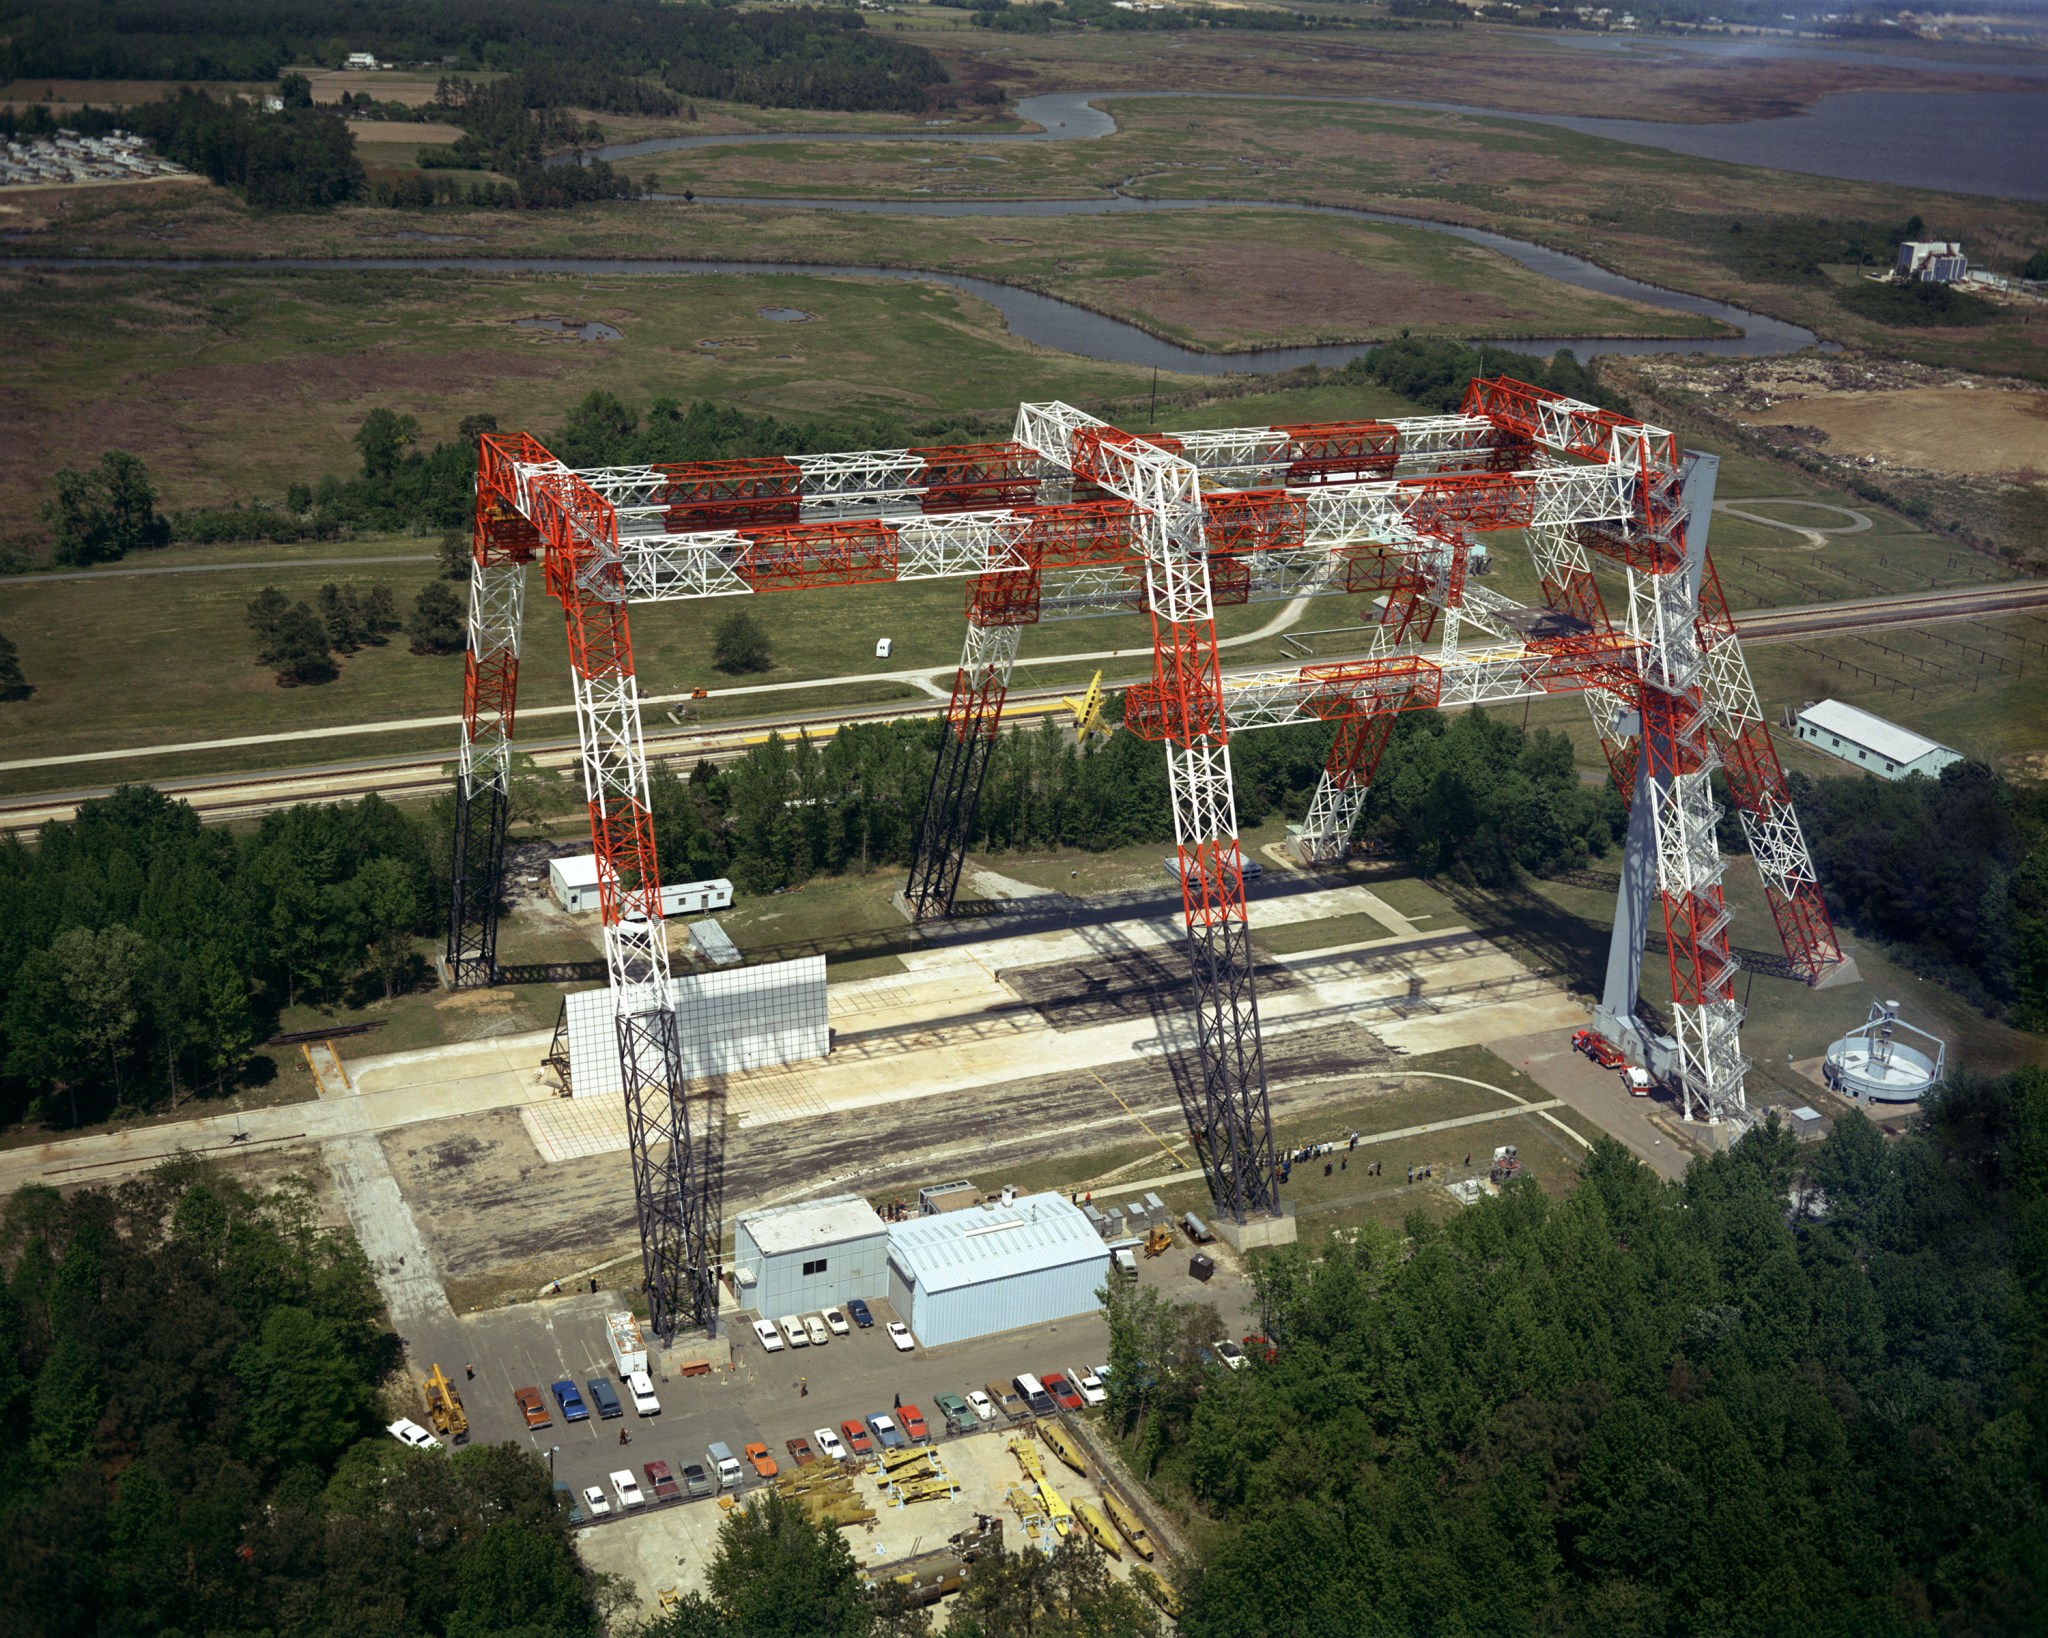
[1064, 1392]
[856, 1437]
[662, 1482]
[800, 1451]
[913, 1424]
[1256, 1344]
[533, 1407]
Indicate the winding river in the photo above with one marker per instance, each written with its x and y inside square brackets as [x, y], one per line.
[1865, 125]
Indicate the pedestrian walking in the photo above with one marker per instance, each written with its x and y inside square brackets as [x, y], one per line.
[1344, 1165]
[625, 1438]
[1411, 1174]
[1326, 1168]
[899, 1401]
[469, 1373]
[803, 1387]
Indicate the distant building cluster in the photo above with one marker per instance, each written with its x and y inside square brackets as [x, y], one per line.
[69, 157]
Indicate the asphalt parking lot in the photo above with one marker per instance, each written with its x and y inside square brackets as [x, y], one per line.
[761, 1396]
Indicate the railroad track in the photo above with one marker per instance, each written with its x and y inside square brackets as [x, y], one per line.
[226, 797]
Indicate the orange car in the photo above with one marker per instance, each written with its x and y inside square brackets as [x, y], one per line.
[764, 1464]
[857, 1439]
[535, 1407]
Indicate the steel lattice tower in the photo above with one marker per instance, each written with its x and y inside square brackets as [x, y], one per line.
[1074, 518]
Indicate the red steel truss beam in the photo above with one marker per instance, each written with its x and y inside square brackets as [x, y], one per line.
[1542, 416]
[976, 477]
[1254, 520]
[1340, 451]
[859, 552]
[726, 494]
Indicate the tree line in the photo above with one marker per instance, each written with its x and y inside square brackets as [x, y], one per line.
[1470, 795]
[190, 1439]
[588, 53]
[1801, 1390]
[1949, 874]
[144, 957]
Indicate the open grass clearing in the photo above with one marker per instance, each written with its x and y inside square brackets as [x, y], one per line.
[1324, 933]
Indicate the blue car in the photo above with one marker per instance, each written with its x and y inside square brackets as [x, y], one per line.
[859, 1312]
[573, 1408]
[883, 1427]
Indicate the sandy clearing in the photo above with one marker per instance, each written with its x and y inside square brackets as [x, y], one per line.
[1971, 431]
[400, 130]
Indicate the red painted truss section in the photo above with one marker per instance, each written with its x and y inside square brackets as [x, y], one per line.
[728, 494]
[976, 477]
[1340, 451]
[1578, 429]
[1254, 520]
[857, 552]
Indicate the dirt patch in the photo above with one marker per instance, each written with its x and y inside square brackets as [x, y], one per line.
[396, 130]
[1963, 429]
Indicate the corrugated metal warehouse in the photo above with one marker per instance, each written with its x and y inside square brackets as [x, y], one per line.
[994, 1268]
[817, 1254]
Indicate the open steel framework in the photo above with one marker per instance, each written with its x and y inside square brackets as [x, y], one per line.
[1072, 518]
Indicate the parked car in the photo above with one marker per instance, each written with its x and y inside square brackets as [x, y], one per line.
[1261, 1347]
[981, 1404]
[573, 1408]
[899, 1333]
[886, 1433]
[771, 1339]
[1064, 1393]
[1230, 1353]
[695, 1479]
[763, 1463]
[857, 1439]
[725, 1466]
[800, 1451]
[602, 1396]
[816, 1329]
[533, 1407]
[408, 1432]
[627, 1489]
[914, 1428]
[837, 1321]
[1088, 1385]
[829, 1443]
[662, 1481]
[793, 1331]
[594, 1504]
[960, 1417]
[1008, 1401]
[641, 1386]
[859, 1311]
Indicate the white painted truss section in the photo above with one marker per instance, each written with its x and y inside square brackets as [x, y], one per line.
[1332, 812]
[1259, 457]
[497, 611]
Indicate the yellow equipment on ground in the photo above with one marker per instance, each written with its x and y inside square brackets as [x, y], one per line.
[1097, 1526]
[1159, 1240]
[1128, 1522]
[1063, 1446]
[444, 1407]
[1057, 1511]
[1156, 1590]
[1088, 712]
[1027, 1458]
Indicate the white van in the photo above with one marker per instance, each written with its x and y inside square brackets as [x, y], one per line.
[1032, 1392]
[641, 1386]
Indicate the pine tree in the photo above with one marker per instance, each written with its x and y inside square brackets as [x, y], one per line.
[301, 653]
[379, 614]
[266, 613]
[741, 645]
[13, 684]
[437, 623]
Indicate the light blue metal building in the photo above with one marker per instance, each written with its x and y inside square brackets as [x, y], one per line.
[817, 1254]
[994, 1267]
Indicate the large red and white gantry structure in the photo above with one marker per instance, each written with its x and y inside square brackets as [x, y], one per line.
[1073, 517]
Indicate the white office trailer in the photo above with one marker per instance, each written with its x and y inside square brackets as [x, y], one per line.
[817, 1254]
[1866, 741]
[994, 1267]
[574, 883]
[738, 1019]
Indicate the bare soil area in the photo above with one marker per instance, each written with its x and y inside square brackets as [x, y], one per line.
[1966, 429]
[399, 130]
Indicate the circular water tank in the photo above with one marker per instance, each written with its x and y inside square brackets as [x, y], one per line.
[1862, 1066]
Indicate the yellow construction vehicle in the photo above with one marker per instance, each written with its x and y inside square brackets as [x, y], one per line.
[1088, 712]
[444, 1407]
[1158, 1240]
